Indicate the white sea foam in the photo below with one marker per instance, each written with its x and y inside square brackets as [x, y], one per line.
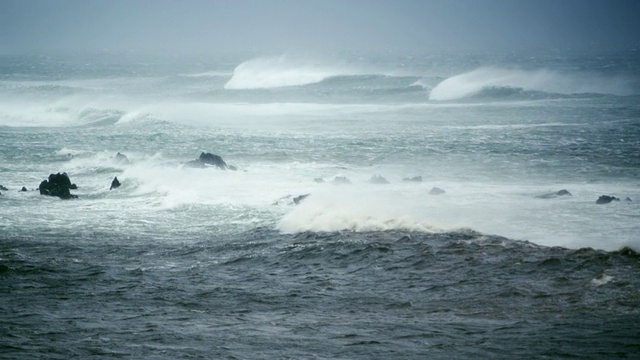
[601, 280]
[473, 82]
[507, 210]
[69, 152]
[356, 209]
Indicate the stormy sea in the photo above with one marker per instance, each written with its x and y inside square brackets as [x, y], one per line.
[360, 206]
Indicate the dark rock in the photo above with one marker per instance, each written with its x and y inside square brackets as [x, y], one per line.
[208, 159]
[605, 199]
[378, 179]
[121, 158]
[290, 200]
[436, 191]
[562, 192]
[298, 199]
[628, 199]
[115, 183]
[232, 168]
[627, 251]
[341, 180]
[413, 179]
[73, 187]
[57, 185]
[319, 180]
[23, 189]
[3, 268]
[3, 188]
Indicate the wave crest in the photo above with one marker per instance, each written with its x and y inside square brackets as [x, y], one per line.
[281, 71]
[476, 81]
[359, 211]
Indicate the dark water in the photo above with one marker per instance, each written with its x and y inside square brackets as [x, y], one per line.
[199, 263]
[342, 295]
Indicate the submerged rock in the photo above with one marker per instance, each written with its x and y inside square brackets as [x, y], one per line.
[57, 185]
[121, 158]
[605, 199]
[341, 180]
[378, 179]
[115, 183]
[208, 159]
[290, 200]
[552, 195]
[298, 199]
[413, 179]
[318, 180]
[436, 191]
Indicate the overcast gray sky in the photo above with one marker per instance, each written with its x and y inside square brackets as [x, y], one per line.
[210, 26]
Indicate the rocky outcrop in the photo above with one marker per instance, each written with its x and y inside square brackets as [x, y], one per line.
[121, 158]
[58, 185]
[290, 200]
[115, 183]
[341, 180]
[605, 199]
[413, 179]
[3, 188]
[563, 192]
[208, 159]
[24, 189]
[298, 199]
[378, 179]
[436, 191]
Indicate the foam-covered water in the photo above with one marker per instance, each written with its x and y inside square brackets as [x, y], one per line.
[207, 262]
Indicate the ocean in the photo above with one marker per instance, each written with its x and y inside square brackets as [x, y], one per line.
[433, 224]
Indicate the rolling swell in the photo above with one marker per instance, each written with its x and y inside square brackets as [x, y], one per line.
[327, 295]
[504, 81]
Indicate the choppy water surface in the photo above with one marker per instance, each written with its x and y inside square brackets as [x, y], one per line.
[184, 262]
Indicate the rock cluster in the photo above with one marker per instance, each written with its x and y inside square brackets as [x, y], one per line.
[208, 159]
[58, 185]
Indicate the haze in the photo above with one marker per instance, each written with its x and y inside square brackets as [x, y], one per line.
[213, 26]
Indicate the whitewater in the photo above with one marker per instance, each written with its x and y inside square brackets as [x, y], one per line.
[431, 222]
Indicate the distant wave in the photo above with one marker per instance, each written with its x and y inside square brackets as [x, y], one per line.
[205, 74]
[37, 115]
[500, 80]
[281, 71]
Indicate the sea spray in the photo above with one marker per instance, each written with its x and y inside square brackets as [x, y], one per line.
[474, 82]
[282, 71]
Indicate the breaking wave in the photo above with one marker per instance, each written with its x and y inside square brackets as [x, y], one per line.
[282, 71]
[499, 80]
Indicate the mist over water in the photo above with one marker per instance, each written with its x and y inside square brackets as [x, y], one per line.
[404, 180]
[495, 138]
